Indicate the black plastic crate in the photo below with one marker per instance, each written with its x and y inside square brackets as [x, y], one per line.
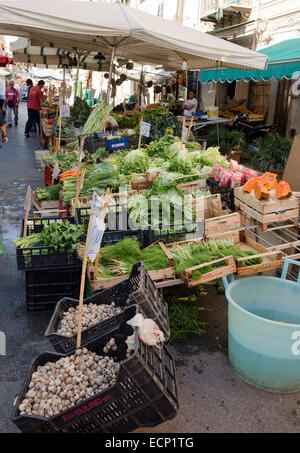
[40, 257]
[145, 393]
[92, 143]
[118, 226]
[173, 233]
[116, 217]
[45, 287]
[137, 289]
[227, 194]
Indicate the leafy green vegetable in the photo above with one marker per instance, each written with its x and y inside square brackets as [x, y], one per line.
[65, 161]
[61, 235]
[183, 318]
[118, 259]
[95, 122]
[49, 193]
[67, 128]
[135, 161]
[80, 112]
[212, 155]
[160, 120]
[194, 253]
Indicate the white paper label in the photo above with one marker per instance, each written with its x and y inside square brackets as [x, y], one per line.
[81, 156]
[96, 233]
[145, 129]
[185, 134]
[97, 204]
[65, 111]
[57, 172]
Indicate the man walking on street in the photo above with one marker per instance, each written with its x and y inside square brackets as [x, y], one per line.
[29, 85]
[12, 103]
[36, 96]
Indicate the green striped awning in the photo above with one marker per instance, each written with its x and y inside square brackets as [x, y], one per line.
[284, 62]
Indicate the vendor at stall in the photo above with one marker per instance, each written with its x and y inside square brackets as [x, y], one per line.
[191, 104]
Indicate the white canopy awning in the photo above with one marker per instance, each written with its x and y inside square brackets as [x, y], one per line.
[121, 31]
[40, 56]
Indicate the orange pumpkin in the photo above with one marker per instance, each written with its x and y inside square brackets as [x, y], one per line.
[283, 190]
[249, 185]
[261, 191]
[270, 180]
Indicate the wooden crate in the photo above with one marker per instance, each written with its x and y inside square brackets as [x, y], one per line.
[228, 268]
[189, 187]
[62, 142]
[216, 222]
[46, 127]
[143, 181]
[155, 275]
[270, 259]
[44, 205]
[269, 211]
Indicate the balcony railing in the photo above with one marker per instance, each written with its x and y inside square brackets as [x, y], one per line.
[213, 8]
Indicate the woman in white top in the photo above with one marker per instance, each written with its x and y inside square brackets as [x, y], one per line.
[191, 104]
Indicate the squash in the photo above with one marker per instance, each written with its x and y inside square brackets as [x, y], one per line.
[249, 185]
[270, 180]
[261, 191]
[283, 190]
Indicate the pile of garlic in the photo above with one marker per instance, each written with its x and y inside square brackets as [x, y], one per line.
[58, 386]
[91, 314]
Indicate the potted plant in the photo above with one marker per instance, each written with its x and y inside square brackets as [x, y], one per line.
[232, 142]
[270, 153]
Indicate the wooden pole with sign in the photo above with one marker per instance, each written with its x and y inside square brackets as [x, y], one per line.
[190, 128]
[79, 184]
[59, 119]
[55, 168]
[182, 133]
[27, 209]
[140, 136]
[82, 283]
[107, 195]
[78, 188]
[83, 272]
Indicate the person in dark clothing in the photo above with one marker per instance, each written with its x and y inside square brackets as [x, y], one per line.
[3, 125]
[36, 96]
[29, 84]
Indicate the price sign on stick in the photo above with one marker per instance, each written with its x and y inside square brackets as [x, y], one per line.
[145, 129]
[96, 235]
[81, 156]
[97, 204]
[27, 209]
[56, 172]
[93, 241]
[185, 134]
[65, 111]
[78, 188]
[103, 212]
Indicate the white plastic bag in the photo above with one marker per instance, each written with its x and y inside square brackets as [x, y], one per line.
[148, 331]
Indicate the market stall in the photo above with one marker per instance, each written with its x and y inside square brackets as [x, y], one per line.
[140, 206]
[256, 90]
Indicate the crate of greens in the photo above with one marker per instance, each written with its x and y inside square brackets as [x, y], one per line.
[102, 310]
[46, 198]
[49, 242]
[133, 387]
[197, 262]
[116, 262]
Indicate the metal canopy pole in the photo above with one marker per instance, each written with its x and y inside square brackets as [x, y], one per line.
[113, 53]
[77, 76]
[64, 85]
